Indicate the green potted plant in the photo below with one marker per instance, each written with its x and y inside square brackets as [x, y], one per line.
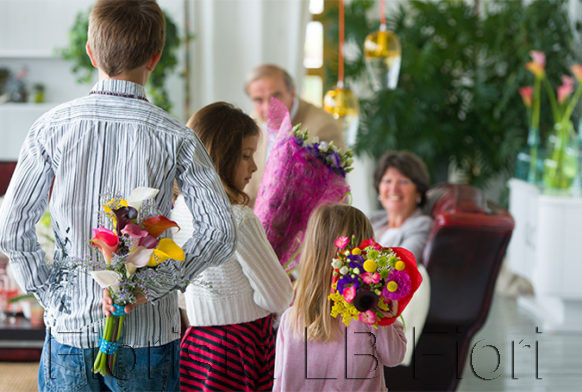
[84, 70]
[457, 98]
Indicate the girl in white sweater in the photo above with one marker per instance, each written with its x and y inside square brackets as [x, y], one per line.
[230, 344]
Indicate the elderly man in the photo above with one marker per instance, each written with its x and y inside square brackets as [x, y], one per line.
[268, 81]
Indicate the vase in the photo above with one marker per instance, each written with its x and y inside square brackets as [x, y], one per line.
[577, 184]
[561, 162]
[529, 162]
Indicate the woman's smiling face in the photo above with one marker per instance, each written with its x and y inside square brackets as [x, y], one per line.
[398, 194]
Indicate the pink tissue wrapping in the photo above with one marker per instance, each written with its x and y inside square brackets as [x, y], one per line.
[294, 184]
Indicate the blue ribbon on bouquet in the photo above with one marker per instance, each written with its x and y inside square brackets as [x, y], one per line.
[107, 347]
[119, 310]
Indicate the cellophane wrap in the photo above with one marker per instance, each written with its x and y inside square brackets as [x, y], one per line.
[293, 185]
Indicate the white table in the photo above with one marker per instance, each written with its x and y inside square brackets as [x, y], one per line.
[546, 248]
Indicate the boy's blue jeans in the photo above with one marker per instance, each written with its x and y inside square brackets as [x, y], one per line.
[66, 368]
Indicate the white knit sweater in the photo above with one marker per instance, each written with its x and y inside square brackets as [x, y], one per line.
[249, 286]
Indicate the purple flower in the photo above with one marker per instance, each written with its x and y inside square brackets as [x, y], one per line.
[346, 280]
[124, 215]
[298, 140]
[335, 159]
[356, 261]
[365, 299]
[402, 281]
[313, 150]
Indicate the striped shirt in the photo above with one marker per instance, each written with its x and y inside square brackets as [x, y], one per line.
[111, 141]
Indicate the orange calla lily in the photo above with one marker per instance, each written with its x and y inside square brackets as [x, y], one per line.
[156, 225]
[577, 72]
[536, 69]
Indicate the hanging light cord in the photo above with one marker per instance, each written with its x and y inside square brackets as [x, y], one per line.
[340, 78]
[382, 16]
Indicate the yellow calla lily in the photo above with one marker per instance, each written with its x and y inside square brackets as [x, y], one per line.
[166, 249]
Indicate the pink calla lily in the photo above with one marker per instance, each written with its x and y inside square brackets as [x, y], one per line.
[158, 224]
[107, 241]
[134, 231]
[140, 257]
[568, 80]
[564, 92]
[538, 57]
[526, 95]
[149, 241]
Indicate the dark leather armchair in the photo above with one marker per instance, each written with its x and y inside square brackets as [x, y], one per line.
[463, 257]
[6, 170]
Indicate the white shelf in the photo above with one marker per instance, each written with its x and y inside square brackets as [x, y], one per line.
[546, 249]
[28, 54]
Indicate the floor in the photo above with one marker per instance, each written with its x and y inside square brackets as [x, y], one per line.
[504, 357]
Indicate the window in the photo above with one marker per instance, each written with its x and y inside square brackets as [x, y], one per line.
[312, 90]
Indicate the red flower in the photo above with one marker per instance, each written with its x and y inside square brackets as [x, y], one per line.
[370, 242]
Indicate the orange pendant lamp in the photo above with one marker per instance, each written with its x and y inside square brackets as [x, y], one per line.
[341, 102]
[383, 54]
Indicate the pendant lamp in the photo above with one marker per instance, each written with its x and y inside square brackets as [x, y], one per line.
[340, 101]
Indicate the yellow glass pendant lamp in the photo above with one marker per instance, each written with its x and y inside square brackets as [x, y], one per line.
[383, 54]
[340, 102]
[343, 106]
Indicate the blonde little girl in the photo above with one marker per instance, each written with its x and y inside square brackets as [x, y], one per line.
[315, 352]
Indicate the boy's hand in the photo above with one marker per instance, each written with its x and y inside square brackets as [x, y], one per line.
[107, 303]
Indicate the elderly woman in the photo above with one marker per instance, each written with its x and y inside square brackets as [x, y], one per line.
[401, 180]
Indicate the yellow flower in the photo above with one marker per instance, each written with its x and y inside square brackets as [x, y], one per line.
[166, 249]
[536, 69]
[383, 305]
[400, 265]
[392, 286]
[356, 251]
[370, 265]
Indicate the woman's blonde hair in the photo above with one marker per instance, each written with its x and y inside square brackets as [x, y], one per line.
[311, 308]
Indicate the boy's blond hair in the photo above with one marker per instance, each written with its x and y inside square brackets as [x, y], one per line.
[124, 34]
[311, 308]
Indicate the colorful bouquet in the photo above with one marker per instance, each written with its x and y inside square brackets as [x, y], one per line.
[299, 176]
[127, 263]
[367, 278]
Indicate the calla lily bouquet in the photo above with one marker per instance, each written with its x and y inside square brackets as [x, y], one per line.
[128, 259]
[367, 278]
[563, 103]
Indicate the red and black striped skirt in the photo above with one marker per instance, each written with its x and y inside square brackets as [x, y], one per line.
[237, 357]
